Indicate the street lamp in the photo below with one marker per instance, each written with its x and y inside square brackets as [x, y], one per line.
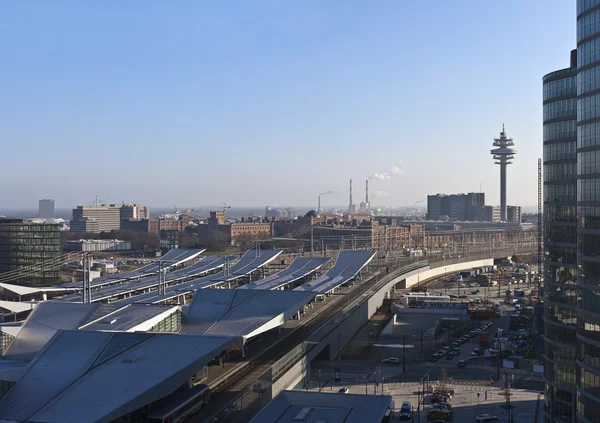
[445, 282]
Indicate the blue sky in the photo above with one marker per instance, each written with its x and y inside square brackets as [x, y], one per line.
[271, 102]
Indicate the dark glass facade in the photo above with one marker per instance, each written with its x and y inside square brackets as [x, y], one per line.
[23, 245]
[588, 211]
[560, 241]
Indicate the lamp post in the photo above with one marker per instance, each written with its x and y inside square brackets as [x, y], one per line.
[445, 282]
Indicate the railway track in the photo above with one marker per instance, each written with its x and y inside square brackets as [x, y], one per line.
[238, 378]
[226, 389]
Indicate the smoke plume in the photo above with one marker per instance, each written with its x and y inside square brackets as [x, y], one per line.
[396, 171]
[380, 194]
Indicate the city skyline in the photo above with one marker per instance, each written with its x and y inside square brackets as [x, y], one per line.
[304, 97]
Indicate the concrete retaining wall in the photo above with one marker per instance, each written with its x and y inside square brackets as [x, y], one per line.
[347, 328]
[451, 268]
[291, 378]
[377, 298]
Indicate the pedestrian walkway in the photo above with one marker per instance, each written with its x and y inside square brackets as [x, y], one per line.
[455, 366]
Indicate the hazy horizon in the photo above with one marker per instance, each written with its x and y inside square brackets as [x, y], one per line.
[204, 103]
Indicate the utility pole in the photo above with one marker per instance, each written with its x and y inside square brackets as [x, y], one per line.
[498, 356]
[89, 279]
[404, 354]
[84, 290]
[422, 344]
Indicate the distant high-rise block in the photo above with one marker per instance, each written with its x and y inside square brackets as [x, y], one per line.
[108, 218]
[460, 207]
[491, 213]
[513, 214]
[46, 209]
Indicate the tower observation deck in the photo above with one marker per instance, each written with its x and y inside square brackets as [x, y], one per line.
[503, 154]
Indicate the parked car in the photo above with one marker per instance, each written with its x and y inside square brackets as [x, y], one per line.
[344, 390]
[439, 398]
[449, 356]
[486, 418]
[405, 411]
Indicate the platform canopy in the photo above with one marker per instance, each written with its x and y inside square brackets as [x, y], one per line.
[30, 290]
[300, 268]
[172, 258]
[88, 376]
[251, 261]
[347, 266]
[17, 307]
[244, 313]
[203, 266]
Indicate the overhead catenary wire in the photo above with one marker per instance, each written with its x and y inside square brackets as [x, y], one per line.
[27, 271]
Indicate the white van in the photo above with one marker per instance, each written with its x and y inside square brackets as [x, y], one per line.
[486, 418]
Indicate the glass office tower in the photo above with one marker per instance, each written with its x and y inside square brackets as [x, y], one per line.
[23, 246]
[560, 241]
[588, 210]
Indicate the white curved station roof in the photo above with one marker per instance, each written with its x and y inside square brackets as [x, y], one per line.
[347, 266]
[244, 313]
[300, 268]
[83, 376]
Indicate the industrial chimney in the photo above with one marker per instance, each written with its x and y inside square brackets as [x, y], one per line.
[367, 192]
[350, 206]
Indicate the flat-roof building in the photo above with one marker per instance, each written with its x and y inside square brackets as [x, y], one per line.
[108, 218]
[513, 214]
[97, 245]
[297, 406]
[46, 209]
[455, 206]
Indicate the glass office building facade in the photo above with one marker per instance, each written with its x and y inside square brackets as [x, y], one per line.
[588, 211]
[560, 241]
[23, 245]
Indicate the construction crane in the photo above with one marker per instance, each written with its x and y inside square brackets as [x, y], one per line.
[225, 206]
[420, 201]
